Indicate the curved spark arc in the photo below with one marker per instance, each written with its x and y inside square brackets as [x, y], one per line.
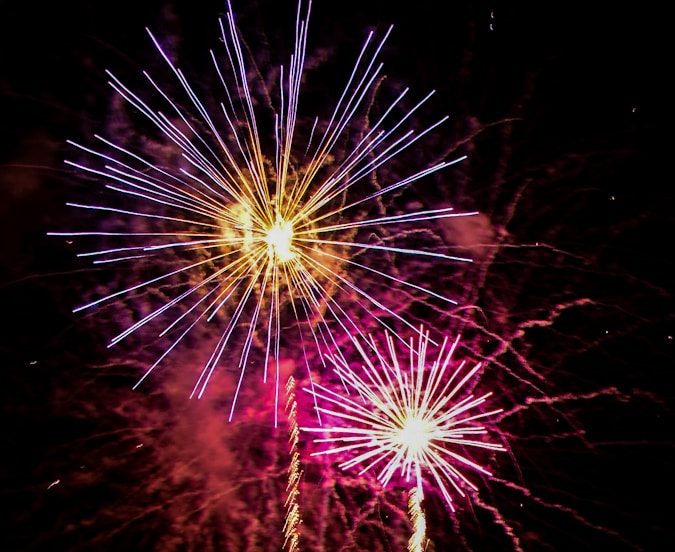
[262, 225]
[413, 420]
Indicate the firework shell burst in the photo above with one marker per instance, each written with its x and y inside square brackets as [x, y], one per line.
[410, 418]
[261, 219]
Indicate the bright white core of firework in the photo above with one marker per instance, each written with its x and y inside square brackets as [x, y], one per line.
[415, 434]
[279, 239]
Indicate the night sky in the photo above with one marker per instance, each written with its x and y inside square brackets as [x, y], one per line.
[561, 110]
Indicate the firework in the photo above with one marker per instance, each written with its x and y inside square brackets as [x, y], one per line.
[418, 540]
[410, 421]
[255, 236]
[293, 517]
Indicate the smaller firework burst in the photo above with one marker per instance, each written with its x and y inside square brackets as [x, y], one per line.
[416, 420]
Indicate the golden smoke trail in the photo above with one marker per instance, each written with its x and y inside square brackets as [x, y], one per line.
[418, 540]
[293, 518]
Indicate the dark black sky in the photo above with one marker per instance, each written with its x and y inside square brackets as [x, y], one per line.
[562, 109]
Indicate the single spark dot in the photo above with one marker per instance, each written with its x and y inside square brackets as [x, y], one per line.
[634, 110]
[32, 362]
[139, 445]
[53, 484]
[612, 198]
[606, 332]
[279, 240]
[670, 338]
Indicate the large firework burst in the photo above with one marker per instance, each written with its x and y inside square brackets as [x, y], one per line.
[407, 420]
[256, 235]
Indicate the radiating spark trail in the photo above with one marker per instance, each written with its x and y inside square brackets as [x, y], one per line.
[415, 420]
[418, 539]
[248, 232]
[293, 517]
